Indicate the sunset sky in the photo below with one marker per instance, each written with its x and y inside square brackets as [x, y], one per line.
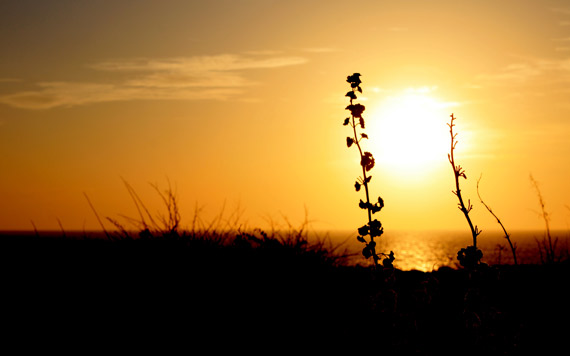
[240, 103]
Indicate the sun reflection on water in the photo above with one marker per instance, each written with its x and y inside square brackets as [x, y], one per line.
[429, 250]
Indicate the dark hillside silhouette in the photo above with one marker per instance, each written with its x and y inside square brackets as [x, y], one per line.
[257, 290]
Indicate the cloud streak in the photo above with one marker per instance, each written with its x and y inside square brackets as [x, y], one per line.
[183, 78]
[531, 70]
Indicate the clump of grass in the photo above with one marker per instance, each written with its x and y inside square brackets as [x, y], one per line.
[226, 234]
[147, 225]
[167, 225]
[292, 244]
[507, 235]
[373, 228]
[469, 257]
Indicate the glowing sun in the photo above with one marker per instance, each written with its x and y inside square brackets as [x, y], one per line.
[409, 134]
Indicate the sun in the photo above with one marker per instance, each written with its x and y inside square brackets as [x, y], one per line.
[408, 133]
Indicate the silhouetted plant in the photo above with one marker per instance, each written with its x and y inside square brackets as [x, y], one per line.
[97, 216]
[373, 228]
[290, 244]
[507, 236]
[146, 224]
[169, 222]
[546, 247]
[470, 256]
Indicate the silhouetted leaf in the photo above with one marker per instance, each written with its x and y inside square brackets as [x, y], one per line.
[349, 141]
[361, 239]
[364, 135]
[356, 109]
[359, 89]
[361, 122]
[470, 256]
[354, 79]
[375, 208]
[368, 179]
[375, 228]
[381, 202]
[351, 95]
[346, 121]
[362, 205]
[366, 252]
[357, 186]
[387, 262]
[363, 230]
[367, 161]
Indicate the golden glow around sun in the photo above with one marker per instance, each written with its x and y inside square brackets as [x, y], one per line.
[408, 132]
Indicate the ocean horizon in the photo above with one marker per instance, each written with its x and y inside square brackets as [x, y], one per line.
[428, 250]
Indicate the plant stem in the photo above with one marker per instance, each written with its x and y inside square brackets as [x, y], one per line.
[365, 182]
[550, 253]
[458, 172]
[507, 236]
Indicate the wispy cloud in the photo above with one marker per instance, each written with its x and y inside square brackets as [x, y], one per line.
[199, 64]
[397, 29]
[421, 90]
[266, 52]
[320, 50]
[512, 73]
[68, 94]
[185, 78]
[562, 39]
[560, 10]
[531, 70]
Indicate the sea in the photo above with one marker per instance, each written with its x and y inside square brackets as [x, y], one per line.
[429, 250]
[422, 250]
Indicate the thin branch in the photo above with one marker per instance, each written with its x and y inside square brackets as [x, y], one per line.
[61, 227]
[140, 205]
[97, 216]
[35, 228]
[507, 236]
[460, 172]
[551, 247]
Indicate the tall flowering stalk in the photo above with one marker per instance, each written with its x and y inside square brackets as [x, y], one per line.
[373, 229]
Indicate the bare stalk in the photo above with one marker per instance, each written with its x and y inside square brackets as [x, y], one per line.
[549, 246]
[35, 229]
[97, 216]
[61, 227]
[507, 236]
[172, 221]
[460, 172]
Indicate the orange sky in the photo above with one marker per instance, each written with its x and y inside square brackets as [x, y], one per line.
[242, 102]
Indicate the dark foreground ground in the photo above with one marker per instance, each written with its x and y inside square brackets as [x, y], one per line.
[160, 295]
